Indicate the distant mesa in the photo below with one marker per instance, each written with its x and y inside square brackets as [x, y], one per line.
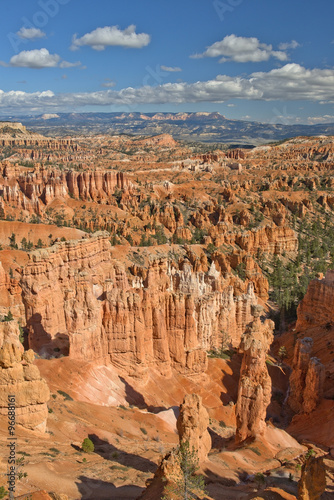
[200, 126]
[7, 127]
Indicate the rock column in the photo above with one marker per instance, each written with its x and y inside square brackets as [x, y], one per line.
[254, 392]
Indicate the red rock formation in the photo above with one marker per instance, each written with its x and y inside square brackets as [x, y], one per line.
[236, 154]
[192, 426]
[254, 391]
[170, 217]
[19, 377]
[302, 355]
[40, 142]
[79, 300]
[307, 378]
[314, 385]
[316, 308]
[10, 295]
[167, 472]
[16, 134]
[32, 191]
[312, 483]
[272, 239]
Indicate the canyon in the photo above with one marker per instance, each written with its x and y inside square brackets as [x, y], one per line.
[154, 293]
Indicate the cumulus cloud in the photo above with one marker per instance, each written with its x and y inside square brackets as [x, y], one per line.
[289, 45]
[30, 33]
[292, 82]
[241, 49]
[108, 36]
[170, 69]
[313, 120]
[40, 58]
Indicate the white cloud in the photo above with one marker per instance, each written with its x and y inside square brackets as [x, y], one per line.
[313, 120]
[289, 45]
[108, 83]
[30, 33]
[170, 69]
[241, 49]
[108, 36]
[292, 82]
[40, 58]
[66, 64]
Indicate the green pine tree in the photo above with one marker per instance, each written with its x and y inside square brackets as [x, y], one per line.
[3, 492]
[282, 352]
[87, 445]
[187, 484]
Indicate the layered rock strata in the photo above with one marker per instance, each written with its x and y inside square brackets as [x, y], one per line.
[307, 378]
[79, 300]
[34, 190]
[316, 308]
[254, 391]
[20, 378]
[10, 294]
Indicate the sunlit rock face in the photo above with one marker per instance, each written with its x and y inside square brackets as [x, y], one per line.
[20, 378]
[79, 300]
[307, 378]
[254, 391]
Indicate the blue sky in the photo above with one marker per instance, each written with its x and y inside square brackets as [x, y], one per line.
[252, 59]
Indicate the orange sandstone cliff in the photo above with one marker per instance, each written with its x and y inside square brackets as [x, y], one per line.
[20, 377]
[254, 392]
[82, 302]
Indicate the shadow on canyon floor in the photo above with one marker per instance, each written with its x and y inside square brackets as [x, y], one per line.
[110, 452]
[219, 442]
[134, 398]
[96, 489]
[223, 487]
